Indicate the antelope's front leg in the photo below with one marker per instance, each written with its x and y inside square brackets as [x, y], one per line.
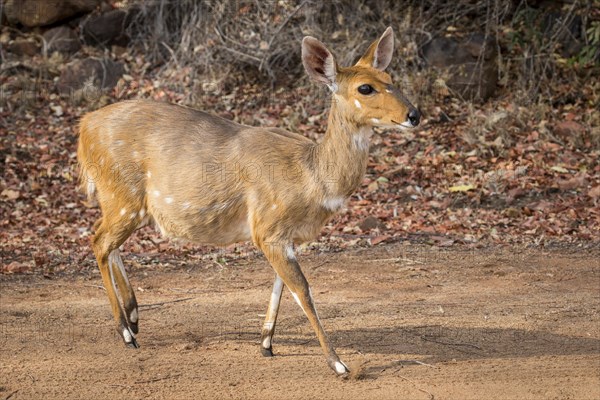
[283, 260]
[266, 338]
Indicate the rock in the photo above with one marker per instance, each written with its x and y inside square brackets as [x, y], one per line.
[102, 73]
[468, 65]
[62, 39]
[370, 223]
[33, 13]
[105, 29]
[23, 47]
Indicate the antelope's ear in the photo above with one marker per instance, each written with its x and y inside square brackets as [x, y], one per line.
[379, 54]
[318, 62]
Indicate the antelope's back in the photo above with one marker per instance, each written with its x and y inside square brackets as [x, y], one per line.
[130, 138]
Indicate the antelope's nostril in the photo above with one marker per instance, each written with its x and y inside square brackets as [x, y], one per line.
[414, 117]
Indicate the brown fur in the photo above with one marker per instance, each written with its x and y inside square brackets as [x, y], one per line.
[206, 179]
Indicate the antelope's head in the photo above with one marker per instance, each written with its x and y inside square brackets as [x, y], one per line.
[364, 90]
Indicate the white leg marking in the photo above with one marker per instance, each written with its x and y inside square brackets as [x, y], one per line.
[266, 342]
[116, 259]
[111, 262]
[91, 189]
[289, 251]
[298, 301]
[334, 203]
[276, 293]
[340, 367]
[127, 336]
[134, 316]
[360, 141]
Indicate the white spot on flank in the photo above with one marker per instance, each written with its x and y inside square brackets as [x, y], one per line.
[142, 213]
[334, 203]
[134, 316]
[123, 211]
[149, 174]
[135, 154]
[266, 343]
[168, 200]
[186, 205]
[357, 103]
[340, 368]
[156, 193]
[375, 120]
[274, 206]
[132, 216]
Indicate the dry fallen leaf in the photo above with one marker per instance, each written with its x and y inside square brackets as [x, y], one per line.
[11, 194]
[461, 188]
[594, 192]
[573, 183]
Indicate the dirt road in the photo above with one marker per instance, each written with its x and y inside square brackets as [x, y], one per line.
[413, 322]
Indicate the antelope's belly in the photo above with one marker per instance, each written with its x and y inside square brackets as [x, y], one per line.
[203, 225]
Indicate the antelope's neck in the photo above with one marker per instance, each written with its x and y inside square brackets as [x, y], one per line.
[343, 154]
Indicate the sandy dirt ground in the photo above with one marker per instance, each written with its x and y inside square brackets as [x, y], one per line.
[413, 322]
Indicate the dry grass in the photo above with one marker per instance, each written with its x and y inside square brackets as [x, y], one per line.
[228, 42]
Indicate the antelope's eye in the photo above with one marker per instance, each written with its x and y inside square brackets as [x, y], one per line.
[365, 89]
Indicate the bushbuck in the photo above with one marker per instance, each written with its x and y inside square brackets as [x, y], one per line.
[202, 178]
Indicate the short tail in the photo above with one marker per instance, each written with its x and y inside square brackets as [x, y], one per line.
[87, 182]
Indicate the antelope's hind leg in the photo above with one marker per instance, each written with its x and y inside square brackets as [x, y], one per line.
[128, 299]
[106, 242]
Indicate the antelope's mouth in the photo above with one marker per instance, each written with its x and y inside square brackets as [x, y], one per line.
[404, 125]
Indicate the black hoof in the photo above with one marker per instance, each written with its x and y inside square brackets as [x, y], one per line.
[266, 352]
[134, 327]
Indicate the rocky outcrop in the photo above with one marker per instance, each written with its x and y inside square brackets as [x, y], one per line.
[62, 39]
[31, 13]
[99, 73]
[468, 65]
[105, 29]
